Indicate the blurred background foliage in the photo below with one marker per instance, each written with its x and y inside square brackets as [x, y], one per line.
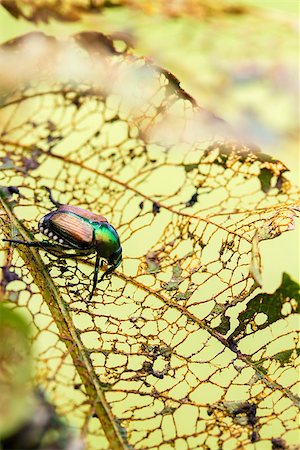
[237, 58]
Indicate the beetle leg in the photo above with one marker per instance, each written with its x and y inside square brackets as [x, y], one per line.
[33, 244]
[51, 247]
[41, 244]
[55, 202]
[95, 279]
[27, 243]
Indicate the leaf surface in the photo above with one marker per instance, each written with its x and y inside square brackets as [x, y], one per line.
[170, 353]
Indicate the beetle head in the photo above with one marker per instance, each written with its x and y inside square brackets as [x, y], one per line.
[116, 258]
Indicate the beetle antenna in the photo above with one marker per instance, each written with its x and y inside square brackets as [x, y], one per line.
[55, 202]
[107, 272]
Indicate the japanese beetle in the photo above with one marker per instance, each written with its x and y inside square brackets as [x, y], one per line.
[75, 228]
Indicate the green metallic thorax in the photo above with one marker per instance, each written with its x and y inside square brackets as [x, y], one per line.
[106, 239]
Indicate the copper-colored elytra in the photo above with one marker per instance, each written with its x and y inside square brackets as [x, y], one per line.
[82, 213]
[73, 226]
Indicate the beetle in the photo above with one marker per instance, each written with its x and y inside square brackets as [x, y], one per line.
[75, 228]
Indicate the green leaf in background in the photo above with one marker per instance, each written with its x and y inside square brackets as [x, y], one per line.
[270, 307]
[15, 371]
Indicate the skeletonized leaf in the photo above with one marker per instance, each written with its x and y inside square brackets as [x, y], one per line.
[154, 356]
